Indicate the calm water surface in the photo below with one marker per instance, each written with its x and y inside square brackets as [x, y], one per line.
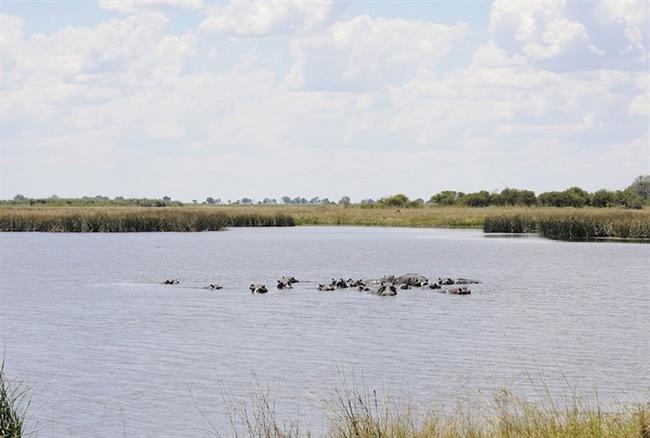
[108, 350]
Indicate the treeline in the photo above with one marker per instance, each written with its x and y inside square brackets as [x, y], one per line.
[635, 196]
[93, 201]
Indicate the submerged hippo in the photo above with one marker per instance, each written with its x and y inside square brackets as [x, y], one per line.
[285, 283]
[459, 291]
[171, 281]
[466, 281]
[258, 288]
[340, 283]
[446, 281]
[415, 280]
[387, 290]
[434, 286]
[215, 286]
[326, 287]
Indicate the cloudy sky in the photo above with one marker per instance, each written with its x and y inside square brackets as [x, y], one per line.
[196, 98]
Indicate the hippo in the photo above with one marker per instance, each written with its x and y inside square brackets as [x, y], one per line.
[290, 280]
[340, 283]
[357, 283]
[466, 281]
[386, 290]
[258, 288]
[171, 281]
[326, 287]
[416, 280]
[434, 286]
[285, 283]
[404, 286]
[446, 281]
[459, 291]
[215, 286]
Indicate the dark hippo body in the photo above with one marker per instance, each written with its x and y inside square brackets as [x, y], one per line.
[258, 289]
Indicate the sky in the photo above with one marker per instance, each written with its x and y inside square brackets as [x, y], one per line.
[197, 98]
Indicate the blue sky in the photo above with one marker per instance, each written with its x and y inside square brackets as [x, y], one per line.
[193, 98]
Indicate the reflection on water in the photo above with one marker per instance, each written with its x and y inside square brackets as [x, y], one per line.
[85, 321]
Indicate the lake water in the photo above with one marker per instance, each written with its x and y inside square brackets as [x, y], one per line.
[109, 350]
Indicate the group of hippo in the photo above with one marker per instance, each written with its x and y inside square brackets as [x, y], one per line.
[385, 286]
[388, 285]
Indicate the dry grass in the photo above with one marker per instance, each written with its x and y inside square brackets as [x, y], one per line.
[356, 414]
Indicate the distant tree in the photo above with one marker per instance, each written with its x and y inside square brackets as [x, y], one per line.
[209, 200]
[478, 199]
[510, 196]
[286, 200]
[246, 201]
[571, 197]
[446, 197]
[605, 198]
[119, 198]
[269, 201]
[325, 201]
[399, 200]
[344, 200]
[641, 186]
[631, 199]
[54, 197]
[194, 201]
[166, 198]
[20, 198]
[314, 200]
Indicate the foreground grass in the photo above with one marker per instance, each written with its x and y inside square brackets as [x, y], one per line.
[363, 415]
[12, 408]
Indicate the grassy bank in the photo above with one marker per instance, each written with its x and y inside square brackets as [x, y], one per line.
[355, 414]
[135, 219]
[553, 222]
[574, 224]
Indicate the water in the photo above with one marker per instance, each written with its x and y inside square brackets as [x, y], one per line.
[109, 351]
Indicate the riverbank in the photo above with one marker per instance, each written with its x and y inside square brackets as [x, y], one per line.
[553, 222]
[365, 414]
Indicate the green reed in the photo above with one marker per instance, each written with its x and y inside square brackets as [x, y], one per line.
[574, 225]
[131, 219]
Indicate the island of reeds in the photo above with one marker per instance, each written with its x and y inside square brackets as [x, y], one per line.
[572, 214]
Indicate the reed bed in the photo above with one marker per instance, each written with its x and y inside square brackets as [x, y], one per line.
[363, 414]
[133, 219]
[564, 223]
[574, 224]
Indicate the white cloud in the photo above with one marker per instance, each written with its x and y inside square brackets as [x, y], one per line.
[566, 36]
[364, 53]
[260, 18]
[130, 6]
[84, 107]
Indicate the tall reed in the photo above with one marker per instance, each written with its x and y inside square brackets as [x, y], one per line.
[13, 405]
[132, 219]
[572, 224]
[364, 414]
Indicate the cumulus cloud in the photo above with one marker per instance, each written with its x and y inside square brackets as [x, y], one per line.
[566, 36]
[261, 18]
[129, 6]
[107, 108]
[365, 53]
